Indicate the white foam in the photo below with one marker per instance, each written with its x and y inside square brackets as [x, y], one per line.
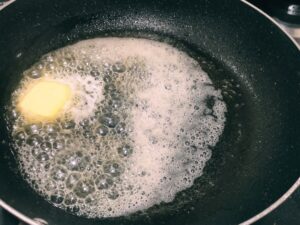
[172, 129]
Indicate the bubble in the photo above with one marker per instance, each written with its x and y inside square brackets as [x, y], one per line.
[125, 151]
[187, 143]
[103, 181]
[51, 128]
[50, 185]
[113, 194]
[59, 173]
[115, 103]
[50, 137]
[73, 209]
[35, 151]
[115, 94]
[59, 144]
[72, 180]
[76, 161]
[20, 137]
[119, 67]
[14, 114]
[193, 148]
[88, 134]
[84, 123]
[90, 200]
[42, 157]
[34, 140]
[35, 74]
[68, 124]
[46, 146]
[121, 128]
[84, 187]
[107, 79]
[57, 199]
[109, 87]
[33, 129]
[95, 73]
[70, 199]
[50, 66]
[49, 58]
[168, 86]
[109, 120]
[113, 168]
[102, 130]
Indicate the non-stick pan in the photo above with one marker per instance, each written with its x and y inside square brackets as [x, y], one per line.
[253, 62]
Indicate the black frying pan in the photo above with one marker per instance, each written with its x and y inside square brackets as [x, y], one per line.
[251, 166]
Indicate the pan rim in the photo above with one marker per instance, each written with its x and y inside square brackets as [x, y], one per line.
[249, 221]
[296, 184]
[250, 5]
[17, 214]
[274, 205]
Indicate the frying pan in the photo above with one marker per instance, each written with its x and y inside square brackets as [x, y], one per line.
[253, 62]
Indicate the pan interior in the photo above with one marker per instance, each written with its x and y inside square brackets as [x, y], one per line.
[255, 160]
[223, 81]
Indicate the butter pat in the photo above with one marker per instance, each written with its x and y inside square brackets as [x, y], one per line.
[44, 100]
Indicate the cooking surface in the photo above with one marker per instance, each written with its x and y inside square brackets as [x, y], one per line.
[288, 213]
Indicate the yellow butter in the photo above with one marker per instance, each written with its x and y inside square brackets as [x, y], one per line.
[44, 100]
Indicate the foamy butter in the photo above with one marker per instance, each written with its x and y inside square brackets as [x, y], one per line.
[139, 131]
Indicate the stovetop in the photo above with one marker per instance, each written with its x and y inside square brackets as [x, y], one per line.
[289, 212]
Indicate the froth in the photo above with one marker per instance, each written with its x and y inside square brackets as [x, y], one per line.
[140, 130]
